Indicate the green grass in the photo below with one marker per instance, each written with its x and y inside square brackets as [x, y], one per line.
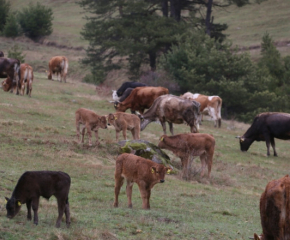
[38, 133]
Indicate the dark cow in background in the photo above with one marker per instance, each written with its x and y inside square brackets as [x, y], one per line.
[10, 69]
[144, 172]
[58, 65]
[172, 109]
[275, 210]
[265, 127]
[1, 54]
[125, 94]
[140, 99]
[117, 94]
[32, 185]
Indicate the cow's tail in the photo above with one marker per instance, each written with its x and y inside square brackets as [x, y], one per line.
[219, 109]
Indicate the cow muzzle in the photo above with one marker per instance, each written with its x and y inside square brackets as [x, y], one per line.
[162, 180]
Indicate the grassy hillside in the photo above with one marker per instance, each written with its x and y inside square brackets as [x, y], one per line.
[38, 133]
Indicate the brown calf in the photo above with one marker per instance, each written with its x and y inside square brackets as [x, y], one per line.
[90, 121]
[58, 65]
[123, 122]
[189, 145]
[144, 172]
[32, 185]
[275, 210]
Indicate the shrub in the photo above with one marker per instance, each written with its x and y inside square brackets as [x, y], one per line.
[15, 52]
[5, 7]
[36, 21]
[11, 28]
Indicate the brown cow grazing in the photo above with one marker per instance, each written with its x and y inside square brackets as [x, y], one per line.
[32, 185]
[123, 122]
[58, 65]
[275, 210]
[189, 145]
[172, 109]
[90, 121]
[140, 99]
[144, 172]
[210, 104]
[10, 68]
[26, 73]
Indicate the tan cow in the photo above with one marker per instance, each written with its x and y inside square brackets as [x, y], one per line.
[26, 78]
[210, 104]
[144, 172]
[275, 210]
[189, 145]
[90, 121]
[123, 122]
[140, 98]
[58, 65]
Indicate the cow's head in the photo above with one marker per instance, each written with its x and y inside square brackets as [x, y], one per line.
[245, 143]
[256, 237]
[120, 107]
[161, 143]
[112, 119]
[49, 75]
[159, 172]
[12, 206]
[115, 96]
[6, 85]
[103, 122]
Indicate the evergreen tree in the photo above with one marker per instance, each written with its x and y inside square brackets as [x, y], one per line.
[15, 52]
[36, 21]
[4, 12]
[11, 28]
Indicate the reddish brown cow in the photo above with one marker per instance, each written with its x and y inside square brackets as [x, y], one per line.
[140, 99]
[31, 185]
[188, 145]
[58, 65]
[275, 210]
[26, 77]
[210, 104]
[144, 172]
[90, 121]
[123, 122]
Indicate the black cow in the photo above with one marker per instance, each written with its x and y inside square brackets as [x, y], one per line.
[32, 185]
[10, 68]
[125, 94]
[126, 85]
[265, 127]
[1, 54]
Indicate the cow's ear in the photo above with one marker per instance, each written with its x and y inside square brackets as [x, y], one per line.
[242, 139]
[168, 170]
[18, 203]
[153, 169]
[256, 237]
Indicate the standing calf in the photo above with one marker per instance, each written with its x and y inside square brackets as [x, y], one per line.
[32, 185]
[188, 145]
[90, 121]
[123, 122]
[144, 172]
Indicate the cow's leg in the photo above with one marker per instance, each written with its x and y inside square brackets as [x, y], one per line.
[67, 213]
[97, 137]
[61, 204]
[134, 134]
[83, 134]
[35, 204]
[89, 133]
[184, 162]
[78, 129]
[145, 194]
[28, 205]
[163, 126]
[273, 145]
[117, 135]
[125, 132]
[129, 189]
[119, 180]
[267, 138]
[203, 163]
[171, 127]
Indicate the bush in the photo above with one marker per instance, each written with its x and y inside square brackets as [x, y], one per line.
[5, 8]
[11, 28]
[36, 21]
[15, 52]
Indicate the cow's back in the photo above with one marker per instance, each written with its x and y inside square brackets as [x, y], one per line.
[275, 209]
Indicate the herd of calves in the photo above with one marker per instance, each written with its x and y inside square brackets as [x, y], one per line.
[274, 202]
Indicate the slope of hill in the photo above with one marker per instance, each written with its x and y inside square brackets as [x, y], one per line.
[38, 133]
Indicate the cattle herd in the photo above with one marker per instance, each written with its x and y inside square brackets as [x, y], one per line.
[161, 107]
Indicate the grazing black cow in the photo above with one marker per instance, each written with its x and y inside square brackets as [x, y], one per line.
[1, 54]
[117, 94]
[265, 127]
[32, 185]
[10, 68]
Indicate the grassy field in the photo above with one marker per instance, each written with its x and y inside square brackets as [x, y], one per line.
[38, 133]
